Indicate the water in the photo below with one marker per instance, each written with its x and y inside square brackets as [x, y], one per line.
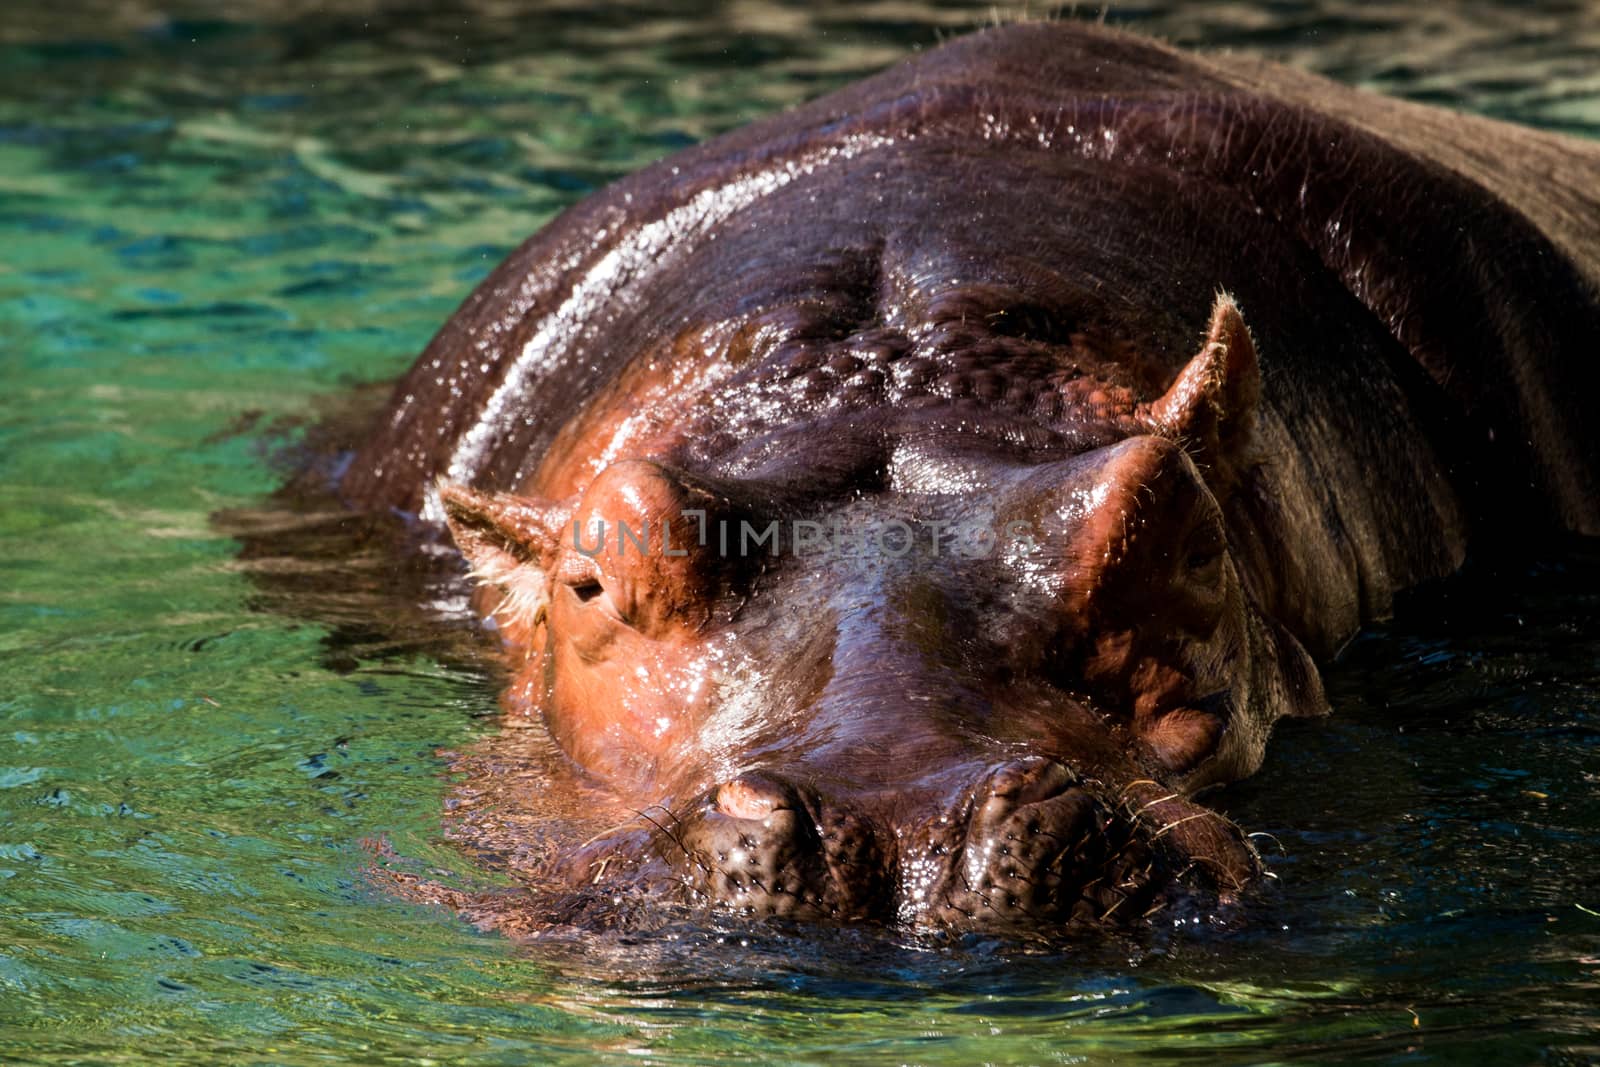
[217, 218]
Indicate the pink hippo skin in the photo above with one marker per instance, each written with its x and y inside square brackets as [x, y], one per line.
[1158, 376]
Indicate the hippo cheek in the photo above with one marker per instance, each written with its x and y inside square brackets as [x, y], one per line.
[1182, 738]
[621, 705]
[1031, 846]
[763, 846]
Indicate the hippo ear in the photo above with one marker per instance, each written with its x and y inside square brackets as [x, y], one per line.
[510, 541]
[1211, 406]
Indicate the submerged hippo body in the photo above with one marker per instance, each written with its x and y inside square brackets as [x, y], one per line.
[1084, 392]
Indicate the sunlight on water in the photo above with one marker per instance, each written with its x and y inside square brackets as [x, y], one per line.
[218, 217]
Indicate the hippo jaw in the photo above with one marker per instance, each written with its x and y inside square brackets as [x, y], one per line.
[932, 737]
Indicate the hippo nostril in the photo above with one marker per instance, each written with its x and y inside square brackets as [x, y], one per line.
[1031, 780]
[763, 845]
[1030, 845]
[753, 797]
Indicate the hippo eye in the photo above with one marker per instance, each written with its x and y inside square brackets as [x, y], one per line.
[1205, 548]
[593, 595]
[1029, 322]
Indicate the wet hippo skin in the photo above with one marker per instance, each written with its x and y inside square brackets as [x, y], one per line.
[1123, 385]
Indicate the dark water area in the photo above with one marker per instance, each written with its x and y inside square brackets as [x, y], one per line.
[217, 219]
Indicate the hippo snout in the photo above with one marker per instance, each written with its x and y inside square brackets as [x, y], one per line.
[1027, 842]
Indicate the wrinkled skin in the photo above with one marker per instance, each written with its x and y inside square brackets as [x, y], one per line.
[1244, 354]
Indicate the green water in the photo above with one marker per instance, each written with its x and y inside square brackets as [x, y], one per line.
[216, 216]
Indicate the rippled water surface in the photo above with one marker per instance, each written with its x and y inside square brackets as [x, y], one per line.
[217, 218]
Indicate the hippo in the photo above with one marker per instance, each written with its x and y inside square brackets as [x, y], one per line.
[902, 509]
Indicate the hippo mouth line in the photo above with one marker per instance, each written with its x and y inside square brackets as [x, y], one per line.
[1033, 844]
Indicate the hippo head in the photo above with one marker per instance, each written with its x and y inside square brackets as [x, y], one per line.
[908, 661]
